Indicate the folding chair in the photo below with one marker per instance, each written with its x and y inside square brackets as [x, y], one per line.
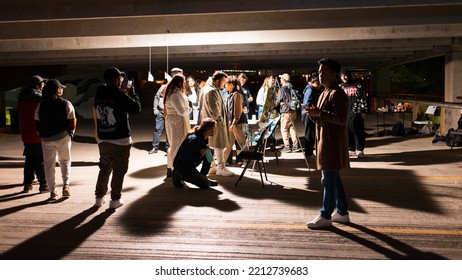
[272, 127]
[427, 121]
[256, 152]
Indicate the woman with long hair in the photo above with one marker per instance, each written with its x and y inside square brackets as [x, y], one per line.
[236, 116]
[192, 92]
[268, 110]
[267, 85]
[195, 151]
[177, 120]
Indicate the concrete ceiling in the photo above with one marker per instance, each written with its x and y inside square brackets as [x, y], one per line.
[206, 34]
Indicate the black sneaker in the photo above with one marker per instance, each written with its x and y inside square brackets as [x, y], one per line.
[43, 189]
[169, 172]
[176, 179]
[27, 188]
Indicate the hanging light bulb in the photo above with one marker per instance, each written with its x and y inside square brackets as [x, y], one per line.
[150, 76]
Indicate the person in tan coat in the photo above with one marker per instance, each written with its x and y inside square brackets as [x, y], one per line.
[330, 116]
[214, 107]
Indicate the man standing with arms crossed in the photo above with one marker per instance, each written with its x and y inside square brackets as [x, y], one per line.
[330, 116]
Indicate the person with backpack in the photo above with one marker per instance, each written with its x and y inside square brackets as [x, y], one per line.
[288, 105]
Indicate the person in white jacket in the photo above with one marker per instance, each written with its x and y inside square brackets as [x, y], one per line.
[177, 116]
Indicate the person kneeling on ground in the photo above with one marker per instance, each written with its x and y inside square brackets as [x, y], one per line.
[192, 152]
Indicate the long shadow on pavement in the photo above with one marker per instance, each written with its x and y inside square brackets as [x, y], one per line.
[402, 251]
[60, 240]
[153, 212]
[397, 188]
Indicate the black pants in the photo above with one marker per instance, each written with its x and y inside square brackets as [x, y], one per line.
[33, 166]
[192, 175]
[356, 134]
[310, 132]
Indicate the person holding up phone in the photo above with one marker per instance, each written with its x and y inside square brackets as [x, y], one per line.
[111, 109]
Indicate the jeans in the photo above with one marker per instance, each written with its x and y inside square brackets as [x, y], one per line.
[356, 133]
[62, 147]
[33, 165]
[334, 194]
[113, 159]
[159, 125]
[193, 176]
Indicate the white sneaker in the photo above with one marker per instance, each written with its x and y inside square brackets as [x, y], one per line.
[360, 154]
[351, 153]
[319, 222]
[100, 201]
[336, 217]
[224, 172]
[212, 170]
[116, 203]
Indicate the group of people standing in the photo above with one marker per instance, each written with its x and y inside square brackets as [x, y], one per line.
[48, 122]
[329, 115]
[226, 100]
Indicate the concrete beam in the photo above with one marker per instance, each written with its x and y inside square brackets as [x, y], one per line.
[232, 37]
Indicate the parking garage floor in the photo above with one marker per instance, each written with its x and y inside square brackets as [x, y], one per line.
[404, 197]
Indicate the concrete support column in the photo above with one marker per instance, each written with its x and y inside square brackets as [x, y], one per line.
[383, 82]
[452, 90]
[380, 86]
[453, 77]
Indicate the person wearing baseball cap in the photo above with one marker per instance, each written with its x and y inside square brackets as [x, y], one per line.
[284, 99]
[56, 122]
[285, 77]
[111, 110]
[36, 81]
[28, 100]
[113, 73]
